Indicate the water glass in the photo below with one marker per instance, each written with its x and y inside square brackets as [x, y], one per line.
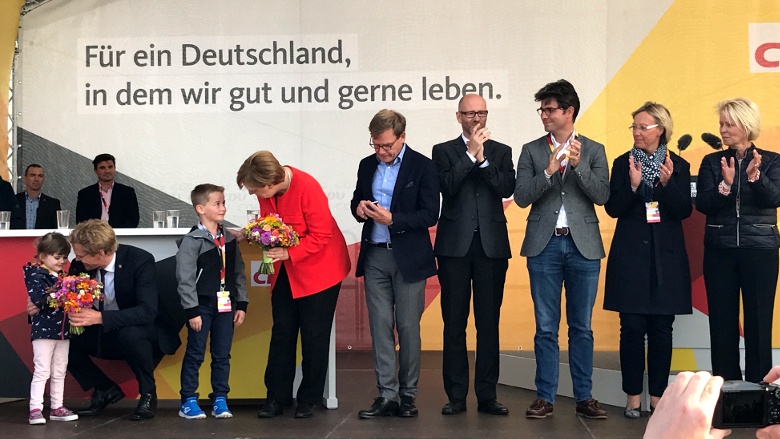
[158, 219]
[251, 215]
[63, 219]
[5, 220]
[173, 219]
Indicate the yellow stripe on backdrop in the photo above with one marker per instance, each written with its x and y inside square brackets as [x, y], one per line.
[9, 24]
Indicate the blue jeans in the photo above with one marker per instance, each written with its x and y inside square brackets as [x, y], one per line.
[220, 326]
[560, 263]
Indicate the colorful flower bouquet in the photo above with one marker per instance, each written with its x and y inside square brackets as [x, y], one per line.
[74, 293]
[268, 232]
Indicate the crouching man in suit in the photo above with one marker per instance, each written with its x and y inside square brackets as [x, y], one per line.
[123, 327]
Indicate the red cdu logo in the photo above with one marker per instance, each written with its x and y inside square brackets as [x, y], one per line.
[764, 45]
[257, 280]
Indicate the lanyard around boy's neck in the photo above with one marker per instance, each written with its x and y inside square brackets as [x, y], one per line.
[219, 241]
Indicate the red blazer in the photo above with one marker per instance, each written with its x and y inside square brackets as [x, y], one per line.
[321, 259]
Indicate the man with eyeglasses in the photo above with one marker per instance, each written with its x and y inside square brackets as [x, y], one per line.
[562, 175]
[472, 248]
[397, 199]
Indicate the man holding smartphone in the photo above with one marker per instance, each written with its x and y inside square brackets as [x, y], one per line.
[397, 200]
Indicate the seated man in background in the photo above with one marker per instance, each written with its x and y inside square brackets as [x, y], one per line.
[8, 203]
[39, 211]
[107, 199]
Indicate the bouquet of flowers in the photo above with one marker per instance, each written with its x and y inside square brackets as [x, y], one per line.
[74, 293]
[268, 232]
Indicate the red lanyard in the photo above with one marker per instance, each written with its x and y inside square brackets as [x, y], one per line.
[103, 199]
[219, 241]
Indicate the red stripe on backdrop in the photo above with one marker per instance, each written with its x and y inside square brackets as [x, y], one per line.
[16, 253]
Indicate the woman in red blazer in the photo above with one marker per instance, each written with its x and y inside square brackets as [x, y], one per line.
[306, 282]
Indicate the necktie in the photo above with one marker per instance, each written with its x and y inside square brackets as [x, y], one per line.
[109, 295]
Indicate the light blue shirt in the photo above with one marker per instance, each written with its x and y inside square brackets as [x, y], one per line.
[382, 189]
[31, 209]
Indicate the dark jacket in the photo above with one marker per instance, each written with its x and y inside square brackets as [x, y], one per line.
[122, 213]
[9, 203]
[747, 217]
[415, 206]
[472, 197]
[647, 267]
[135, 288]
[198, 268]
[50, 323]
[46, 215]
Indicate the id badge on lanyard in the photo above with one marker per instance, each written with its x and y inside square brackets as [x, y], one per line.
[223, 296]
[653, 212]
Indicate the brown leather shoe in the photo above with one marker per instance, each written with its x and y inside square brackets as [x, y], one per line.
[590, 408]
[539, 409]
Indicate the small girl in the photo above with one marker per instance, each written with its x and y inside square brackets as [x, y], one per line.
[50, 335]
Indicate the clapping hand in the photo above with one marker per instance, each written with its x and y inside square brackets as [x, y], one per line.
[666, 171]
[634, 172]
[476, 146]
[554, 162]
[575, 148]
[727, 169]
[755, 163]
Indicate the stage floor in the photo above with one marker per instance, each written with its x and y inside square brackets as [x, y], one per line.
[356, 391]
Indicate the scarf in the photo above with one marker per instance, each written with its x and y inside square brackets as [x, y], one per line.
[651, 164]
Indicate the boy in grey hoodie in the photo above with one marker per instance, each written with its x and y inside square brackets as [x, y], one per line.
[212, 288]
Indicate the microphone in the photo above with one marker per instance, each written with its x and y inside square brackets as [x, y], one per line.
[712, 140]
[683, 142]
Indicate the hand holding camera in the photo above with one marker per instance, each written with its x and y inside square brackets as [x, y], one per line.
[686, 408]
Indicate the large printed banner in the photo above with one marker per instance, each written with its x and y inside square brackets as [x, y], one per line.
[181, 92]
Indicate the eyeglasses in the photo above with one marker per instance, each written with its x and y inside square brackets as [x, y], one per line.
[633, 128]
[385, 146]
[471, 114]
[547, 110]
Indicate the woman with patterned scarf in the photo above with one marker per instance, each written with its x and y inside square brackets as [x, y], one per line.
[648, 280]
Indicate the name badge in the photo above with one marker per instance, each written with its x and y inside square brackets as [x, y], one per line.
[653, 214]
[223, 301]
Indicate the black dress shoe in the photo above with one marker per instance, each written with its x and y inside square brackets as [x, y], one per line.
[100, 400]
[146, 407]
[381, 407]
[271, 408]
[492, 407]
[304, 410]
[454, 408]
[407, 410]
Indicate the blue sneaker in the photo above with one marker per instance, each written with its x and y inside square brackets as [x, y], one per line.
[220, 409]
[191, 410]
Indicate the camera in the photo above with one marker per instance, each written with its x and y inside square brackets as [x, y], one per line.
[745, 405]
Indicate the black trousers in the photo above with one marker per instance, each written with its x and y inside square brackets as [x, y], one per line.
[313, 317]
[137, 345]
[633, 329]
[754, 272]
[457, 277]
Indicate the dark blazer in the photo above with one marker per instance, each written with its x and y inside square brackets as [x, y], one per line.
[135, 286]
[46, 217]
[415, 206]
[123, 211]
[647, 267]
[9, 203]
[577, 190]
[472, 197]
